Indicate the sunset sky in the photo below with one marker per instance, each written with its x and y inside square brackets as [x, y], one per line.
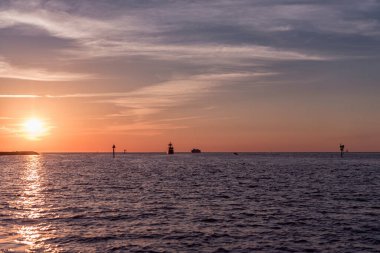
[242, 75]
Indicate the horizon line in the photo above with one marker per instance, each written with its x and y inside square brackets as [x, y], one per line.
[189, 152]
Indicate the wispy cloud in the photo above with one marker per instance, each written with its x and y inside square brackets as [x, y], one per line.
[187, 86]
[214, 53]
[240, 33]
[19, 96]
[167, 95]
[9, 71]
[131, 34]
[144, 125]
[141, 103]
[60, 24]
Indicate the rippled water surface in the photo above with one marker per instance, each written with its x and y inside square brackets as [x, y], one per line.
[190, 203]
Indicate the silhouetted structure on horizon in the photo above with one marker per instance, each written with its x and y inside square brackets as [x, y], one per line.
[170, 149]
[195, 150]
[341, 150]
[113, 150]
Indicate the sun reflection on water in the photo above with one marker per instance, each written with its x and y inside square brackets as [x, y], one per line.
[31, 199]
[32, 208]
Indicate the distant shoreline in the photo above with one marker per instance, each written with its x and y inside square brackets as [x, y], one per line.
[19, 153]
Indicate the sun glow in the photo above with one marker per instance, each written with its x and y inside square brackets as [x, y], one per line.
[34, 128]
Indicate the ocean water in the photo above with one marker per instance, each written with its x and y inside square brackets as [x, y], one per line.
[279, 202]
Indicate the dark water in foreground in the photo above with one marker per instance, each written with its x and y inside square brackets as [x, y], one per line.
[190, 203]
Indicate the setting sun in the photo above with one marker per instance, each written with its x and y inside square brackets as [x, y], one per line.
[34, 128]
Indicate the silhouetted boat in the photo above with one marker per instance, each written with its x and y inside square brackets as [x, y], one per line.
[170, 149]
[19, 153]
[195, 150]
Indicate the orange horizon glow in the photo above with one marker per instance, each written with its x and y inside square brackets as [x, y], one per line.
[76, 130]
